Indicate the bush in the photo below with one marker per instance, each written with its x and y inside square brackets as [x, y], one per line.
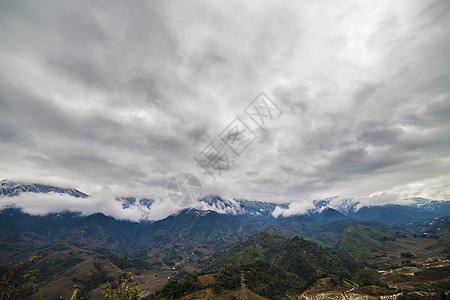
[18, 281]
[123, 292]
[407, 255]
[369, 277]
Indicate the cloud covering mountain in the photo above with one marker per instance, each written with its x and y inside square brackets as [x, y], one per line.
[116, 97]
[41, 200]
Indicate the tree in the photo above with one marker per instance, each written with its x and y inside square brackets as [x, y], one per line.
[369, 277]
[407, 255]
[124, 292]
[18, 281]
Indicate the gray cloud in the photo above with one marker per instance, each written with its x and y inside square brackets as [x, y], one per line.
[126, 94]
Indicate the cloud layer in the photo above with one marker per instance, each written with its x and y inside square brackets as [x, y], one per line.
[125, 94]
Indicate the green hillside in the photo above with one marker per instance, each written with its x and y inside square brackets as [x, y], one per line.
[302, 257]
[261, 278]
[361, 241]
[325, 234]
[274, 266]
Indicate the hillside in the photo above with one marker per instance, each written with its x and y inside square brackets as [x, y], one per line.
[260, 278]
[360, 241]
[298, 251]
[304, 258]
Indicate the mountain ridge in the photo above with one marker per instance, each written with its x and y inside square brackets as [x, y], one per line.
[11, 188]
[324, 211]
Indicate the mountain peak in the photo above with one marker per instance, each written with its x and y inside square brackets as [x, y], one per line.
[235, 206]
[11, 189]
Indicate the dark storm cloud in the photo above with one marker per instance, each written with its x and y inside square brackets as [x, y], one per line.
[126, 94]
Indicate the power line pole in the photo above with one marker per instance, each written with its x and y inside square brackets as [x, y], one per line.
[243, 294]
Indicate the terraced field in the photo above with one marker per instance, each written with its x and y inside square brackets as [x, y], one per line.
[416, 265]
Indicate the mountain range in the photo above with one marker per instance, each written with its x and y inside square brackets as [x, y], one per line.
[220, 238]
[324, 210]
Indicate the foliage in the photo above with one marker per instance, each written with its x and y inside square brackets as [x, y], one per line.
[175, 289]
[325, 234]
[143, 253]
[97, 278]
[274, 265]
[407, 255]
[361, 241]
[297, 255]
[129, 262]
[408, 263]
[369, 276]
[123, 292]
[18, 281]
[262, 278]
[54, 267]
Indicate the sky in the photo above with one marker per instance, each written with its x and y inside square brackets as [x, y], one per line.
[116, 98]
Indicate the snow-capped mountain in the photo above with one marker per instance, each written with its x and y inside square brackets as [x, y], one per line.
[237, 206]
[440, 206]
[10, 189]
[323, 210]
[342, 205]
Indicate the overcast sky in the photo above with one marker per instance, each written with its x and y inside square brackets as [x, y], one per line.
[121, 95]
